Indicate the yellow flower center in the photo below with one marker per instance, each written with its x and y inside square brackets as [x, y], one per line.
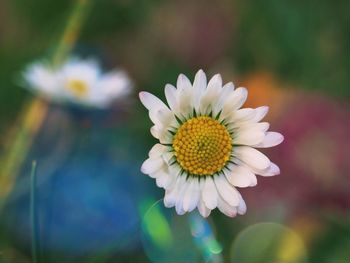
[77, 87]
[202, 146]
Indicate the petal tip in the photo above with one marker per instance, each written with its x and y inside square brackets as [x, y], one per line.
[279, 138]
[181, 76]
[278, 170]
[282, 138]
[142, 169]
[275, 170]
[142, 95]
[265, 109]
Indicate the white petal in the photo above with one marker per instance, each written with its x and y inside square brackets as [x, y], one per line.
[179, 210]
[195, 196]
[160, 177]
[241, 176]
[187, 196]
[200, 81]
[179, 206]
[251, 157]
[156, 131]
[183, 83]
[153, 117]
[157, 150]
[269, 171]
[261, 113]
[184, 96]
[175, 169]
[166, 117]
[152, 165]
[272, 170]
[166, 138]
[164, 180]
[271, 139]
[240, 116]
[203, 210]
[209, 193]
[211, 94]
[199, 86]
[262, 126]
[226, 190]
[172, 194]
[168, 157]
[158, 173]
[151, 102]
[170, 95]
[215, 83]
[242, 207]
[191, 196]
[226, 90]
[248, 137]
[163, 117]
[241, 95]
[233, 102]
[227, 209]
[161, 133]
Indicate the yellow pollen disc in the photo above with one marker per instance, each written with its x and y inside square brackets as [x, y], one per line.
[77, 87]
[202, 146]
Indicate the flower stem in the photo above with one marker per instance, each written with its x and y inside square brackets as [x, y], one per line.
[71, 31]
[34, 215]
[20, 138]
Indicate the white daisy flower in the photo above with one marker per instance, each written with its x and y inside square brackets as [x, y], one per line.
[78, 81]
[207, 145]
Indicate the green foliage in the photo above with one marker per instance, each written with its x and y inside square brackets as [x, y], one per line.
[305, 42]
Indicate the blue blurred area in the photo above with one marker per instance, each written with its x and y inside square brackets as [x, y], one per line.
[88, 198]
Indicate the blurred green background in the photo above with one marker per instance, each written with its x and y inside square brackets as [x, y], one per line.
[291, 55]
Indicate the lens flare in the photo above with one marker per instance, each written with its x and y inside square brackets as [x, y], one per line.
[166, 237]
[204, 238]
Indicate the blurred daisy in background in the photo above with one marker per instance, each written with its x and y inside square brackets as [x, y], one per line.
[77, 81]
[207, 145]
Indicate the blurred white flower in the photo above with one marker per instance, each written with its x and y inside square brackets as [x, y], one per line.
[78, 81]
[207, 145]
[41, 78]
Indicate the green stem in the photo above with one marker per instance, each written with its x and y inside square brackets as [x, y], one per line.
[34, 215]
[71, 32]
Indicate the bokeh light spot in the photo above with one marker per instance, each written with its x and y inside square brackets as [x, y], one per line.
[270, 243]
